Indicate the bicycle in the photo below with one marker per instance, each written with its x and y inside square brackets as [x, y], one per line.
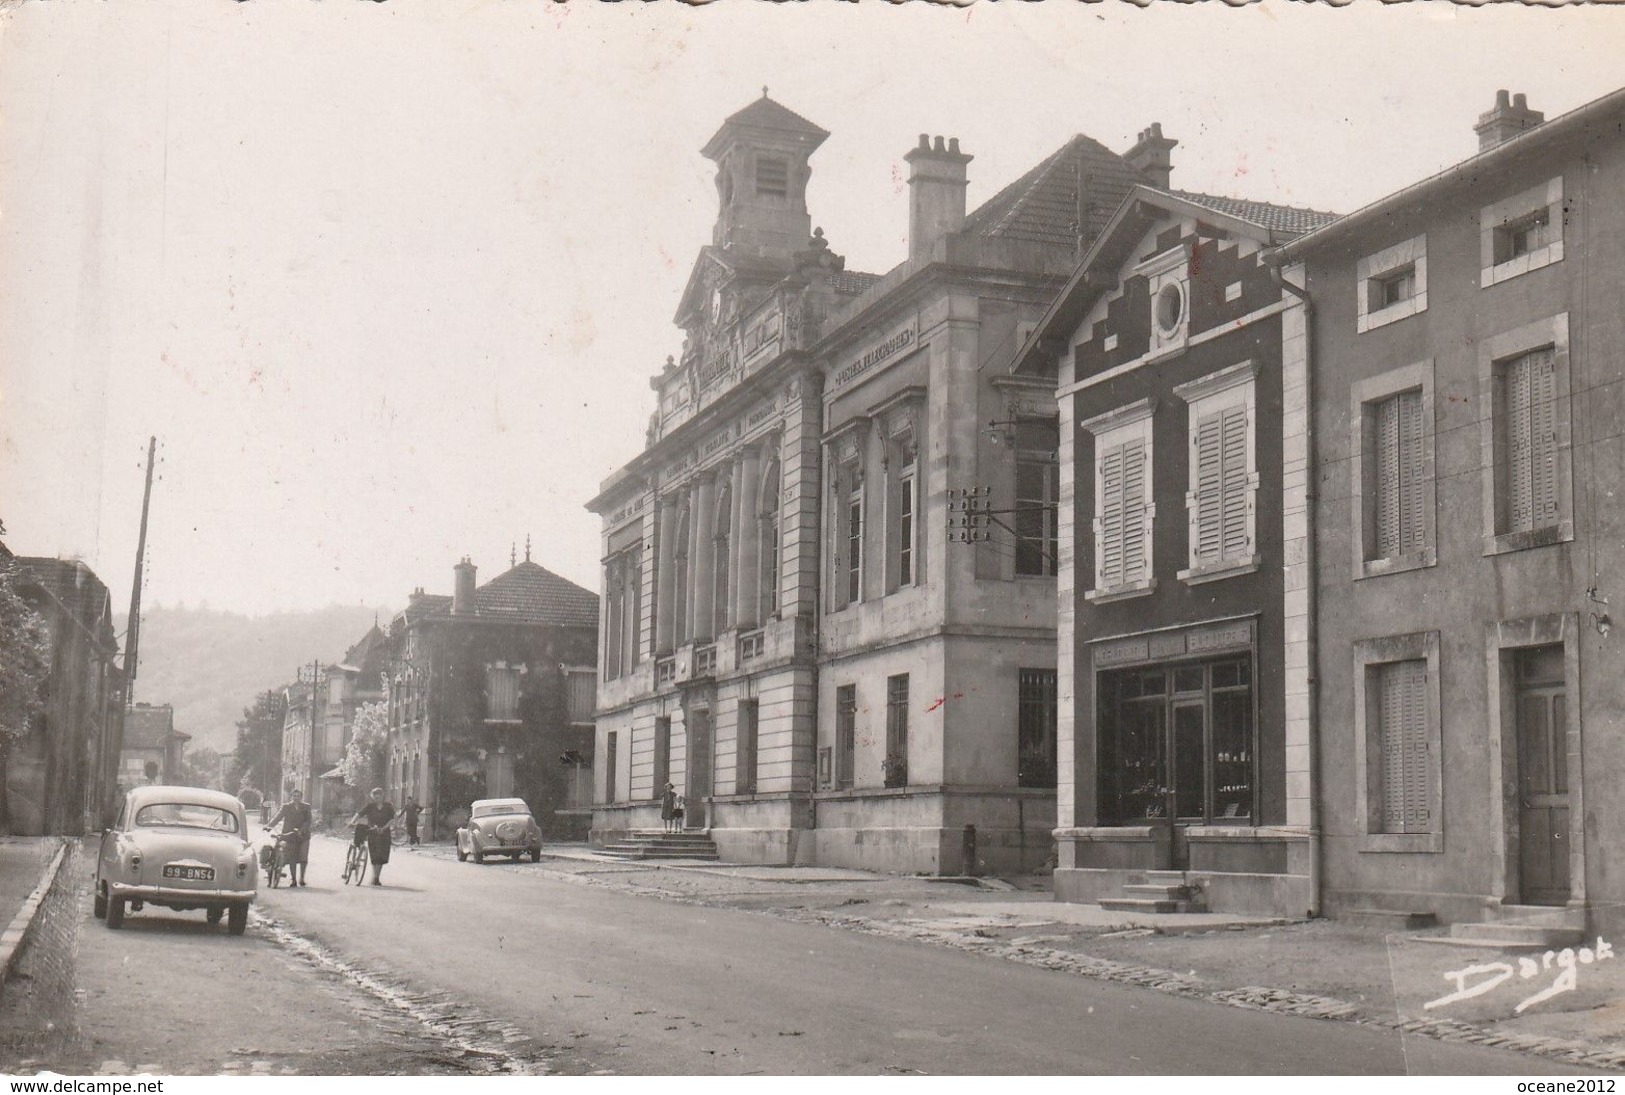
[397, 833]
[273, 858]
[355, 860]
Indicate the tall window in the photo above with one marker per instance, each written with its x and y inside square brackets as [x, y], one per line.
[1223, 477]
[1035, 728]
[854, 544]
[502, 693]
[1402, 713]
[623, 611]
[745, 755]
[905, 527]
[1399, 447]
[721, 541]
[1124, 509]
[679, 581]
[580, 695]
[610, 760]
[846, 726]
[1528, 427]
[662, 757]
[896, 763]
[768, 541]
[1038, 496]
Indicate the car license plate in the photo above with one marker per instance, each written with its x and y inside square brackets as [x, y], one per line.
[196, 874]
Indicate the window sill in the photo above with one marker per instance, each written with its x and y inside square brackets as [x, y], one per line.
[1121, 593]
[1402, 842]
[1500, 544]
[1215, 572]
[503, 722]
[1396, 564]
[1393, 313]
[1523, 264]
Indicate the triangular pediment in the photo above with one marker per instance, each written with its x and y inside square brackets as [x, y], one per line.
[717, 268]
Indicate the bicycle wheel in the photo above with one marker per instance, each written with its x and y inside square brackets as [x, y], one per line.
[397, 835]
[349, 864]
[273, 873]
[358, 863]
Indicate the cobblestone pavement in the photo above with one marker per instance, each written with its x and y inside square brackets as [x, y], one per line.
[1322, 969]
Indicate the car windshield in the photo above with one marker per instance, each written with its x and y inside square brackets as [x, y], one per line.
[501, 808]
[187, 815]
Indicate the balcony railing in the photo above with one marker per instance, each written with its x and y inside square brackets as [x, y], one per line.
[705, 660]
[751, 645]
[665, 670]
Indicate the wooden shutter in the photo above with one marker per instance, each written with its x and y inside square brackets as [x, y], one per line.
[1406, 801]
[502, 693]
[1109, 531]
[1520, 448]
[1207, 457]
[1121, 526]
[1234, 542]
[1542, 367]
[1399, 448]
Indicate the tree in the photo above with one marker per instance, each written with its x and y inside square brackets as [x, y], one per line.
[257, 761]
[364, 755]
[25, 666]
[201, 768]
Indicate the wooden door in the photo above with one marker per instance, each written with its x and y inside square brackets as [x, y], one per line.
[1543, 785]
[697, 785]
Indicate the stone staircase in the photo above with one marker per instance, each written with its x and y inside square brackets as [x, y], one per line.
[655, 844]
[1158, 895]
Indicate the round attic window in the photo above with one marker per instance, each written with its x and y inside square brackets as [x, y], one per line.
[1170, 308]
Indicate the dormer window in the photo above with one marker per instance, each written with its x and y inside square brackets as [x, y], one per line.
[772, 176]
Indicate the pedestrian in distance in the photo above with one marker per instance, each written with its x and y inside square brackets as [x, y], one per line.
[668, 808]
[376, 815]
[295, 818]
[411, 811]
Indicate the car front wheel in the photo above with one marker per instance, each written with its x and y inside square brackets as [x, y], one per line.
[99, 905]
[462, 854]
[535, 855]
[237, 919]
[115, 912]
[479, 856]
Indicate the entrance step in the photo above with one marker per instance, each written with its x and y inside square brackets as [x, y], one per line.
[1511, 935]
[1391, 920]
[662, 845]
[1156, 897]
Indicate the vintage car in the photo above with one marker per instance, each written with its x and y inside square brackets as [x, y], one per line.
[499, 826]
[180, 848]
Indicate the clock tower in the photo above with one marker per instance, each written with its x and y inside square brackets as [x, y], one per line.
[761, 154]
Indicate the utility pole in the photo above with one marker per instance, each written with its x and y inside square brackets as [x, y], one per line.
[132, 630]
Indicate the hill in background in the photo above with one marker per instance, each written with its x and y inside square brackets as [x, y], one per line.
[210, 664]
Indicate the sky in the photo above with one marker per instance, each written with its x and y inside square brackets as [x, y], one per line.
[388, 280]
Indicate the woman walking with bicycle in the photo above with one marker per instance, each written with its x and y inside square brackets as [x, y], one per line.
[376, 815]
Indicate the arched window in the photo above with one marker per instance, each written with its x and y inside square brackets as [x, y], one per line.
[721, 541]
[767, 517]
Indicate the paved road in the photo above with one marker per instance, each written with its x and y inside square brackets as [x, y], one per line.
[638, 985]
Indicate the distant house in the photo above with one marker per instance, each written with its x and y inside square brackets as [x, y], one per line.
[314, 740]
[152, 749]
[63, 776]
[491, 694]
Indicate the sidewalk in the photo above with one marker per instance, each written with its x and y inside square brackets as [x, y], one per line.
[1326, 969]
[22, 859]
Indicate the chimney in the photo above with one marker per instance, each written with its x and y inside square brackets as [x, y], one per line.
[1151, 156]
[462, 592]
[936, 193]
[1510, 117]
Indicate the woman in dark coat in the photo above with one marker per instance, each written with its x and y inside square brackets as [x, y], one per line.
[377, 814]
[668, 807]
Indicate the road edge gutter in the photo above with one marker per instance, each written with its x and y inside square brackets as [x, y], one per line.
[16, 935]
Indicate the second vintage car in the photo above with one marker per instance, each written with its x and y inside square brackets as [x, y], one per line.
[178, 848]
[499, 826]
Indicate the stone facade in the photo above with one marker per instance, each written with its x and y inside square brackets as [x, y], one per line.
[490, 696]
[791, 638]
[1468, 363]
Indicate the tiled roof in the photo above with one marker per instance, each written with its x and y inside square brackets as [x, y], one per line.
[426, 604]
[769, 114]
[370, 648]
[529, 593]
[1276, 218]
[851, 282]
[148, 727]
[1068, 196]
